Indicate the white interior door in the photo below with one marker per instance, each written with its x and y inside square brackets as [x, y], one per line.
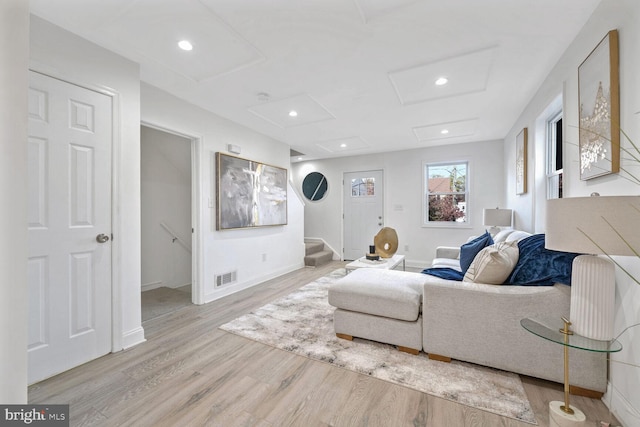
[363, 211]
[69, 222]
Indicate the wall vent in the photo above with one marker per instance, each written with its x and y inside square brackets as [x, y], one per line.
[226, 279]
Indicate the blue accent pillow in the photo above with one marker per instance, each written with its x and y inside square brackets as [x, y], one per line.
[538, 266]
[469, 250]
[444, 273]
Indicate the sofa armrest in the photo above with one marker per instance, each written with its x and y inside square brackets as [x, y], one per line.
[448, 252]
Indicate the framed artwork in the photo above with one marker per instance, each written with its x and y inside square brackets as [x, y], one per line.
[521, 162]
[599, 101]
[249, 193]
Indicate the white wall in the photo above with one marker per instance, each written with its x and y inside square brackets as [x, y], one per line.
[257, 254]
[14, 58]
[165, 190]
[623, 15]
[61, 54]
[403, 176]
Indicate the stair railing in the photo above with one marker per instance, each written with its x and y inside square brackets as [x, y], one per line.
[175, 237]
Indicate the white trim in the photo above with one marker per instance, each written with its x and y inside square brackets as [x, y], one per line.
[151, 285]
[621, 407]
[117, 332]
[155, 285]
[223, 292]
[467, 194]
[197, 262]
[133, 338]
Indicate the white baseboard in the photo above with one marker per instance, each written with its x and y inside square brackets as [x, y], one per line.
[149, 286]
[621, 407]
[133, 338]
[228, 290]
[155, 285]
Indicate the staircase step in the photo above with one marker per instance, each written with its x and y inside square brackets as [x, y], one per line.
[318, 258]
[313, 247]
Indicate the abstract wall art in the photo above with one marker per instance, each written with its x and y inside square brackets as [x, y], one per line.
[249, 193]
[599, 101]
[521, 162]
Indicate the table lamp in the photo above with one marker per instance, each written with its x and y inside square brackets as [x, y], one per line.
[496, 218]
[597, 225]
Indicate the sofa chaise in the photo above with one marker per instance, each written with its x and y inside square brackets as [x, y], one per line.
[462, 320]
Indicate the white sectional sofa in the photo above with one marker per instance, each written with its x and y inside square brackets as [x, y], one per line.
[472, 322]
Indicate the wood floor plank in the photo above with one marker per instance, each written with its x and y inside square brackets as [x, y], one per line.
[190, 373]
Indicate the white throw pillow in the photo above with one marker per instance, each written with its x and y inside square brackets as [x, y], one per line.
[493, 264]
[502, 235]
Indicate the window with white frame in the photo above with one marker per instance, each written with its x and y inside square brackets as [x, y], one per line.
[446, 193]
[554, 156]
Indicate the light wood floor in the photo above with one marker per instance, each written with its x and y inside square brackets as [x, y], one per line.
[190, 373]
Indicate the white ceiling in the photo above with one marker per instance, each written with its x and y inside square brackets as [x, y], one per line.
[360, 73]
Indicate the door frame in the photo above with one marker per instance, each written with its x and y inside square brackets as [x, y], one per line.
[197, 287]
[117, 332]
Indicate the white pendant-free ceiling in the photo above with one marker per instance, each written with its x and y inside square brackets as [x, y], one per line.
[358, 73]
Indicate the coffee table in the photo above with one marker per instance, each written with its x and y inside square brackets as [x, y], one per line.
[383, 263]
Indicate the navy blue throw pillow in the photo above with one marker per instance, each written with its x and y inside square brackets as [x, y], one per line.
[538, 266]
[469, 250]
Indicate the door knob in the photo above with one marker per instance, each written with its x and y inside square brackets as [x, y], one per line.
[102, 238]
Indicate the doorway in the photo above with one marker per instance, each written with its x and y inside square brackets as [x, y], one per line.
[363, 194]
[166, 221]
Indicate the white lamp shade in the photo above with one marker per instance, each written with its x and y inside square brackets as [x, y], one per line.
[594, 225]
[498, 217]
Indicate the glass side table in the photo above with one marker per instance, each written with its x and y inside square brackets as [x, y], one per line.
[562, 414]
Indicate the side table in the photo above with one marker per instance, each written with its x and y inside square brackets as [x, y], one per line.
[562, 414]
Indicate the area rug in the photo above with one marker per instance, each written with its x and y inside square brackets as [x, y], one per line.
[302, 323]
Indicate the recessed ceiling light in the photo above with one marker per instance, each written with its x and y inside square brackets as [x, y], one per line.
[343, 145]
[185, 45]
[442, 81]
[293, 113]
[444, 131]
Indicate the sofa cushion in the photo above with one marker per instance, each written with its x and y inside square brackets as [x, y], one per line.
[452, 263]
[493, 264]
[469, 250]
[387, 293]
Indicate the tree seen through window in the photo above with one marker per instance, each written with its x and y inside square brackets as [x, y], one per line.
[446, 195]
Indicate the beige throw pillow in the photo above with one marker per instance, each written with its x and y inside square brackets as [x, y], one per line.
[493, 264]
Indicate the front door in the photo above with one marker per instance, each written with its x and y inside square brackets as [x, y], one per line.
[69, 226]
[363, 211]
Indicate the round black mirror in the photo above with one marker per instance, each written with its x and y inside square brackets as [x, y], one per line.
[314, 186]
